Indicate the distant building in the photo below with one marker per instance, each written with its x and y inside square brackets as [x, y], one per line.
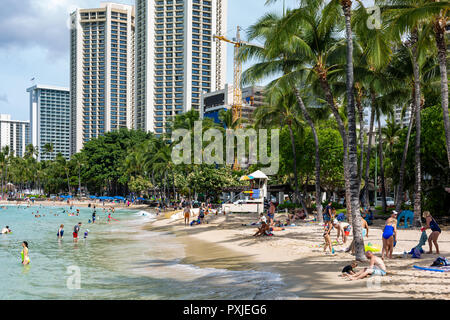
[213, 102]
[401, 116]
[102, 71]
[15, 134]
[50, 120]
[177, 58]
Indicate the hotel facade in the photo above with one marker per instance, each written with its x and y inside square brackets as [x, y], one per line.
[177, 58]
[14, 134]
[102, 71]
[50, 120]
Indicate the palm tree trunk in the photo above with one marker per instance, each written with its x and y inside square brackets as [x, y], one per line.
[439, 29]
[417, 166]
[330, 100]
[317, 155]
[399, 198]
[369, 149]
[380, 152]
[361, 139]
[352, 140]
[294, 164]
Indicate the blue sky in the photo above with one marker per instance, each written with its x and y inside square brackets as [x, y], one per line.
[34, 42]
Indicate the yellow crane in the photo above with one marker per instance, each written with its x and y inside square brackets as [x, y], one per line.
[237, 76]
[237, 92]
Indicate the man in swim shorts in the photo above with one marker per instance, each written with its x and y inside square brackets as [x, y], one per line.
[76, 230]
[376, 268]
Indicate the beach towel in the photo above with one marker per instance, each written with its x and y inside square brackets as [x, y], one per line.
[436, 269]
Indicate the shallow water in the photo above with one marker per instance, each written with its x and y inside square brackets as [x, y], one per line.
[119, 260]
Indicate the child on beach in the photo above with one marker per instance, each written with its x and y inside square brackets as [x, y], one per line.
[349, 269]
[326, 235]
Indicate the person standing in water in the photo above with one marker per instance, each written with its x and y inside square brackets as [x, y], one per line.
[24, 254]
[76, 230]
[60, 233]
[93, 217]
[435, 231]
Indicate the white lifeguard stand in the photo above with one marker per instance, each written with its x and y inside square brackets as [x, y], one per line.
[258, 181]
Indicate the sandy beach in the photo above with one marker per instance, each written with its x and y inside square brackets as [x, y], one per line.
[295, 254]
[306, 270]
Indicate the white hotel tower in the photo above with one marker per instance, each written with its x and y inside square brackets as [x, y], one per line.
[102, 71]
[177, 57]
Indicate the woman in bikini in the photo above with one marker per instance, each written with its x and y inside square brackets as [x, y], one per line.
[435, 231]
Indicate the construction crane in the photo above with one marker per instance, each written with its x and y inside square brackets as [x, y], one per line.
[237, 92]
[236, 108]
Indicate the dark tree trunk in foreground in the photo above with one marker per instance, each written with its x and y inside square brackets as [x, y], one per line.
[352, 140]
[417, 166]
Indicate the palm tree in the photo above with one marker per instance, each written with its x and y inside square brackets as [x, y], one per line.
[48, 148]
[281, 110]
[433, 15]
[408, 16]
[282, 54]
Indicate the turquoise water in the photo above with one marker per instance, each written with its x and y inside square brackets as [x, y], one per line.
[117, 261]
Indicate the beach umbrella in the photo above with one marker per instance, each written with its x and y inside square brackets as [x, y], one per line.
[119, 198]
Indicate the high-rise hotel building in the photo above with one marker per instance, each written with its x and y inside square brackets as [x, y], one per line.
[50, 120]
[14, 134]
[177, 57]
[102, 71]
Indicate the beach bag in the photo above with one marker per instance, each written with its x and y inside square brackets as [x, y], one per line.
[341, 217]
[440, 262]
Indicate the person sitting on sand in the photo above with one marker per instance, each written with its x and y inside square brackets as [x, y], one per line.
[389, 236]
[262, 229]
[349, 269]
[376, 268]
[435, 231]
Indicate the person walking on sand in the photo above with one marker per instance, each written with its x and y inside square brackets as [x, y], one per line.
[326, 235]
[389, 236]
[187, 214]
[435, 231]
[376, 268]
[24, 254]
[327, 212]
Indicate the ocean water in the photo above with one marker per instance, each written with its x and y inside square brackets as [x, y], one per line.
[118, 260]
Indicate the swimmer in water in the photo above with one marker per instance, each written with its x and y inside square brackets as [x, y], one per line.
[6, 230]
[24, 253]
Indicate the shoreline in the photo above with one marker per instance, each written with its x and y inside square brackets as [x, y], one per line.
[306, 271]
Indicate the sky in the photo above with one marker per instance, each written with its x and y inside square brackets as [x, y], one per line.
[34, 42]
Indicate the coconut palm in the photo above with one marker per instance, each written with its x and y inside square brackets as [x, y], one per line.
[281, 110]
[433, 15]
[282, 53]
